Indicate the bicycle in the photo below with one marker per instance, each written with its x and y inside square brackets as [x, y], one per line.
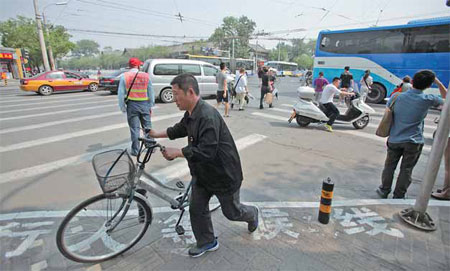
[107, 225]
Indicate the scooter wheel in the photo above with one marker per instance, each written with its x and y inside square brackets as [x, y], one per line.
[302, 121]
[361, 123]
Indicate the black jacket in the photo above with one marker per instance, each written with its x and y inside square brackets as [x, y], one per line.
[211, 152]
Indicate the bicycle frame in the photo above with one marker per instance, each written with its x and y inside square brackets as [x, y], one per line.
[175, 203]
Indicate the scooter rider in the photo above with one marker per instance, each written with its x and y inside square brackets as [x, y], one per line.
[327, 101]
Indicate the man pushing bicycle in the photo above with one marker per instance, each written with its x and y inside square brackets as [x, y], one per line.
[213, 161]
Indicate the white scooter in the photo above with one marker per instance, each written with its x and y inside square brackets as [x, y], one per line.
[306, 111]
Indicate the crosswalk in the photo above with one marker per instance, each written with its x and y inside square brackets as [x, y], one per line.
[283, 112]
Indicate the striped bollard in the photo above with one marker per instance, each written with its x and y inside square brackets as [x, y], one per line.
[325, 201]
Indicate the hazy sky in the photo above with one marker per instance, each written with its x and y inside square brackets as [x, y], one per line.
[203, 16]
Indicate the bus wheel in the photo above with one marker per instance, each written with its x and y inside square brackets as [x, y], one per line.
[377, 94]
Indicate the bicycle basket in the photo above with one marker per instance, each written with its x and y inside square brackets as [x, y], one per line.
[114, 169]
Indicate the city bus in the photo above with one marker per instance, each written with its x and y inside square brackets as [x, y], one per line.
[247, 64]
[283, 68]
[389, 52]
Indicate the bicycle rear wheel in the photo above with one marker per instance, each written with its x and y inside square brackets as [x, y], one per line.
[85, 234]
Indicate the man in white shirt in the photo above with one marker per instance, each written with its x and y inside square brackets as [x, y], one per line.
[241, 88]
[327, 101]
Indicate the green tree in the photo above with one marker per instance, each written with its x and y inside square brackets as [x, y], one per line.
[22, 33]
[86, 48]
[240, 29]
[304, 61]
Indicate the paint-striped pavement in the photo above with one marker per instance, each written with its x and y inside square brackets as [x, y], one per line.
[52, 139]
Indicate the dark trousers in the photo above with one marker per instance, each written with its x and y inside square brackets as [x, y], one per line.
[264, 90]
[201, 217]
[410, 153]
[332, 112]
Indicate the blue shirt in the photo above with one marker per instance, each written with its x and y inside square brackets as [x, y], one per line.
[410, 110]
[122, 92]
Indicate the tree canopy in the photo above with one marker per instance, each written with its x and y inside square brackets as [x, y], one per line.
[300, 52]
[21, 32]
[85, 48]
[240, 29]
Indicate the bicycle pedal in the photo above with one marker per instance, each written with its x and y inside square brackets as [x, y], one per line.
[180, 230]
[179, 184]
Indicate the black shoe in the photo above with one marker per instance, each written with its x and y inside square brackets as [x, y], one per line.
[252, 226]
[241, 109]
[270, 105]
[232, 105]
[382, 194]
[199, 251]
[261, 107]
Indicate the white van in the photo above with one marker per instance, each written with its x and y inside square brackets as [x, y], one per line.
[162, 71]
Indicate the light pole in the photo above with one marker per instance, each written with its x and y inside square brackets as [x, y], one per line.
[41, 36]
[50, 51]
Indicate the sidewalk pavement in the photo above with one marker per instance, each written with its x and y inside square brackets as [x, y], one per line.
[361, 235]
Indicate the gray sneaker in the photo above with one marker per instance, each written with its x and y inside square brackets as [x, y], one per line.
[199, 251]
[383, 194]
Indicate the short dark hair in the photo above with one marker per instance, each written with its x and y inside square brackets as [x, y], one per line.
[407, 79]
[222, 66]
[186, 81]
[423, 79]
[320, 73]
[347, 68]
[336, 79]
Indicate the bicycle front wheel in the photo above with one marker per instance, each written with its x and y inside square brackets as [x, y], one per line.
[86, 234]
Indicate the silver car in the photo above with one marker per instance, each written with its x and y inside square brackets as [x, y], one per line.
[162, 71]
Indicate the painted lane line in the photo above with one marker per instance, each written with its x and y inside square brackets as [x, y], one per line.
[52, 123]
[181, 169]
[53, 106]
[34, 98]
[20, 174]
[354, 133]
[58, 112]
[267, 204]
[52, 139]
[271, 116]
[281, 110]
[57, 101]
[39, 266]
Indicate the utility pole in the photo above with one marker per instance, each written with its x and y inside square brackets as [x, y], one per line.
[50, 51]
[41, 37]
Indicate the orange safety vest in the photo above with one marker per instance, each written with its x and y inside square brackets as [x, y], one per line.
[138, 91]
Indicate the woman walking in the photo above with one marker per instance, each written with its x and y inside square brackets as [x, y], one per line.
[366, 85]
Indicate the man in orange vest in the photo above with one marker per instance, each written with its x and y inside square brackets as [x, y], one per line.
[136, 98]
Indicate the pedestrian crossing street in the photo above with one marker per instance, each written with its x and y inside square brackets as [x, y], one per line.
[25, 115]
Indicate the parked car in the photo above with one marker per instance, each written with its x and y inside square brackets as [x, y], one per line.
[48, 82]
[162, 71]
[111, 82]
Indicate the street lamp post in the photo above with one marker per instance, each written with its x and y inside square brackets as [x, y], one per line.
[41, 36]
[49, 47]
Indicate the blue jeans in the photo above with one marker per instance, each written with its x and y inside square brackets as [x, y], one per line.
[138, 115]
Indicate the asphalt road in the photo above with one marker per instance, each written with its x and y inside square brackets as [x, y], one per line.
[46, 144]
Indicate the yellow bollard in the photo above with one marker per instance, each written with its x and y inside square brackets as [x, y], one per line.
[325, 201]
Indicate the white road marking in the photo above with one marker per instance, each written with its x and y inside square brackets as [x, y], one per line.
[281, 110]
[55, 113]
[34, 102]
[267, 204]
[45, 107]
[39, 266]
[34, 98]
[52, 139]
[52, 123]
[181, 168]
[51, 166]
[271, 116]
[37, 224]
[37, 243]
[76, 229]
[426, 148]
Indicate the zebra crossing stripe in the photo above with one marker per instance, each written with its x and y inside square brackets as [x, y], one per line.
[61, 100]
[52, 139]
[53, 106]
[61, 96]
[58, 112]
[181, 168]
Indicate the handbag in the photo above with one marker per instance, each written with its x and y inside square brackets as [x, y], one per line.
[233, 90]
[268, 98]
[129, 89]
[384, 128]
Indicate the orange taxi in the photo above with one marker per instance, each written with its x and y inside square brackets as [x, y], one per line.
[48, 82]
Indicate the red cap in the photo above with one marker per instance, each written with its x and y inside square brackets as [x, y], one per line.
[134, 62]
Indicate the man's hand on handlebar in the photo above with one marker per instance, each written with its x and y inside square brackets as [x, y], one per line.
[171, 153]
